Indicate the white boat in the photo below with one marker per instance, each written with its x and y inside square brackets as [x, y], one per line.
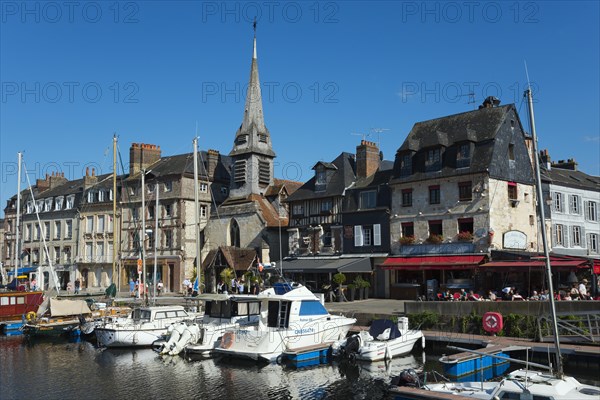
[291, 319]
[141, 328]
[384, 340]
[521, 384]
[222, 312]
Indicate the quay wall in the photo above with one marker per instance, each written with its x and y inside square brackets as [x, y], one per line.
[529, 308]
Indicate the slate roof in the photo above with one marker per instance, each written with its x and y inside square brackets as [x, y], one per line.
[573, 179]
[340, 179]
[183, 164]
[481, 127]
[474, 126]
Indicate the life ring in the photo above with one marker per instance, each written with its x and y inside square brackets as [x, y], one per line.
[30, 316]
[227, 340]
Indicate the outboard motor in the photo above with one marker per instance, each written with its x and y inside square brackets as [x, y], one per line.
[349, 350]
[408, 377]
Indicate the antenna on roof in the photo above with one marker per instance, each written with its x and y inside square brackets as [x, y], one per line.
[364, 135]
[379, 131]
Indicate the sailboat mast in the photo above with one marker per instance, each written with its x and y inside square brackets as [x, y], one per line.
[155, 242]
[538, 184]
[17, 238]
[197, 214]
[143, 236]
[116, 277]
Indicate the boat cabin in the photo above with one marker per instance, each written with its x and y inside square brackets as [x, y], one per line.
[158, 313]
[223, 306]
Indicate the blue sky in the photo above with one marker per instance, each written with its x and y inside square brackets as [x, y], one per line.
[73, 74]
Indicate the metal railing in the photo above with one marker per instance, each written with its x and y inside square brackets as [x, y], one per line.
[580, 327]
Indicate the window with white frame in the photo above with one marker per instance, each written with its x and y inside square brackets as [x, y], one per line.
[558, 202]
[57, 226]
[101, 223]
[576, 235]
[47, 230]
[29, 207]
[89, 224]
[100, 251]
[203, 211]
[297, 209]
[102, 195]
[560, 235]
[57, 255]
[70, 202]
[369, 235]
[593, 243]
[168, 210]
[89, 253]
[39, 206]
[38, 232]
[90, 196]
[575, 204]
[591, 211]
[58, 203]
[68, 229]
[203, 187]
[110, 223]
[28, 232]
[48, 204]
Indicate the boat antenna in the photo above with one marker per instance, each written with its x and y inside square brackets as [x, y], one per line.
[540, 203]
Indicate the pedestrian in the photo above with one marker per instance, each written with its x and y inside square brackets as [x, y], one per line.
[574, 293]
[583, 289]
[220, 287]
[69, 287]
[159, 287]
[77, 286]
[34, 285]
[131, 287]
[186, 283]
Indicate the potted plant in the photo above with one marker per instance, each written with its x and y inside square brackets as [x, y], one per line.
[351, 291]
[227, 275]
[339, 279]
[465, 236]
[407, 240]
[359, 282]
[366, 287]
[435, 238]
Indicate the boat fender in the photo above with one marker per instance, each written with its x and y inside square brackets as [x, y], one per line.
[227, 340]
[279, 359]
[31, 315]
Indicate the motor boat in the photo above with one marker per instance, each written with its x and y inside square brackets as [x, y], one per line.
[292, 319]
[521, 384]
[384, 339]
[222, 312]
[142, 327]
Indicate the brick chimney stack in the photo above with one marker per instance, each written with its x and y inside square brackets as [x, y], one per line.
[212, 160]
[141, 156]
[51, 181]
[545, 157]
[89, 180]
[569, 164]
[367, 159]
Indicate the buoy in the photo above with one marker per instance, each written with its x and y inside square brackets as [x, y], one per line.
[31, 315]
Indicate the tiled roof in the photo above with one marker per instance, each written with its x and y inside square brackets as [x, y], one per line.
[236, 258]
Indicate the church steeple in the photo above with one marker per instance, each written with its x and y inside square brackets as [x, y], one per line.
[252, 152]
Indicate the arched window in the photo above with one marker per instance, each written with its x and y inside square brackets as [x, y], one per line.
[234, 233]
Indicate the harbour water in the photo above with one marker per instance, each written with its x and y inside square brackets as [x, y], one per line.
[57, 369]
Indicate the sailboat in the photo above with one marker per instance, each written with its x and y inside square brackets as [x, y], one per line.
[527, 384]
[17, 305]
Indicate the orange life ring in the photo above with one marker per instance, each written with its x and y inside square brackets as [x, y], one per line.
[227, 340]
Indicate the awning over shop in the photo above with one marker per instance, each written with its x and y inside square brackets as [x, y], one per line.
[22, 270]
[323, 266]
[437, 262]
[535, 264]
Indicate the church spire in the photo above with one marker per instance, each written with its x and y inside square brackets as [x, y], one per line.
[253, 136]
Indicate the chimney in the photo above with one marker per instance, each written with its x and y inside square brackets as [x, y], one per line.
[141, 156]
[569, 164]
[212, 159]
[367, 159]
[43, 184]
[57, 179]
[545, 157]
[490, 102]
[89, 180]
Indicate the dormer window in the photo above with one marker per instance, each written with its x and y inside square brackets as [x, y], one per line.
[368, 199]
[321, 177]
[406, 165]
[58, 203]
[48, 204]
[101, 195]
[463, 155]
[433, 160]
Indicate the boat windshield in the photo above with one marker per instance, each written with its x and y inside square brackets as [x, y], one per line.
[141, 314]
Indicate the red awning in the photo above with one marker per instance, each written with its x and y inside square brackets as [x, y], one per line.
[596, 266]
[433, 262]
[537, 264]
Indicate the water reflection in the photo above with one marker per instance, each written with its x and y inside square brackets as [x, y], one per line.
[56, 369]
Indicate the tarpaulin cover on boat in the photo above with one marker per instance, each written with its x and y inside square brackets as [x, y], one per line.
[62, 307]
[380, 325]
